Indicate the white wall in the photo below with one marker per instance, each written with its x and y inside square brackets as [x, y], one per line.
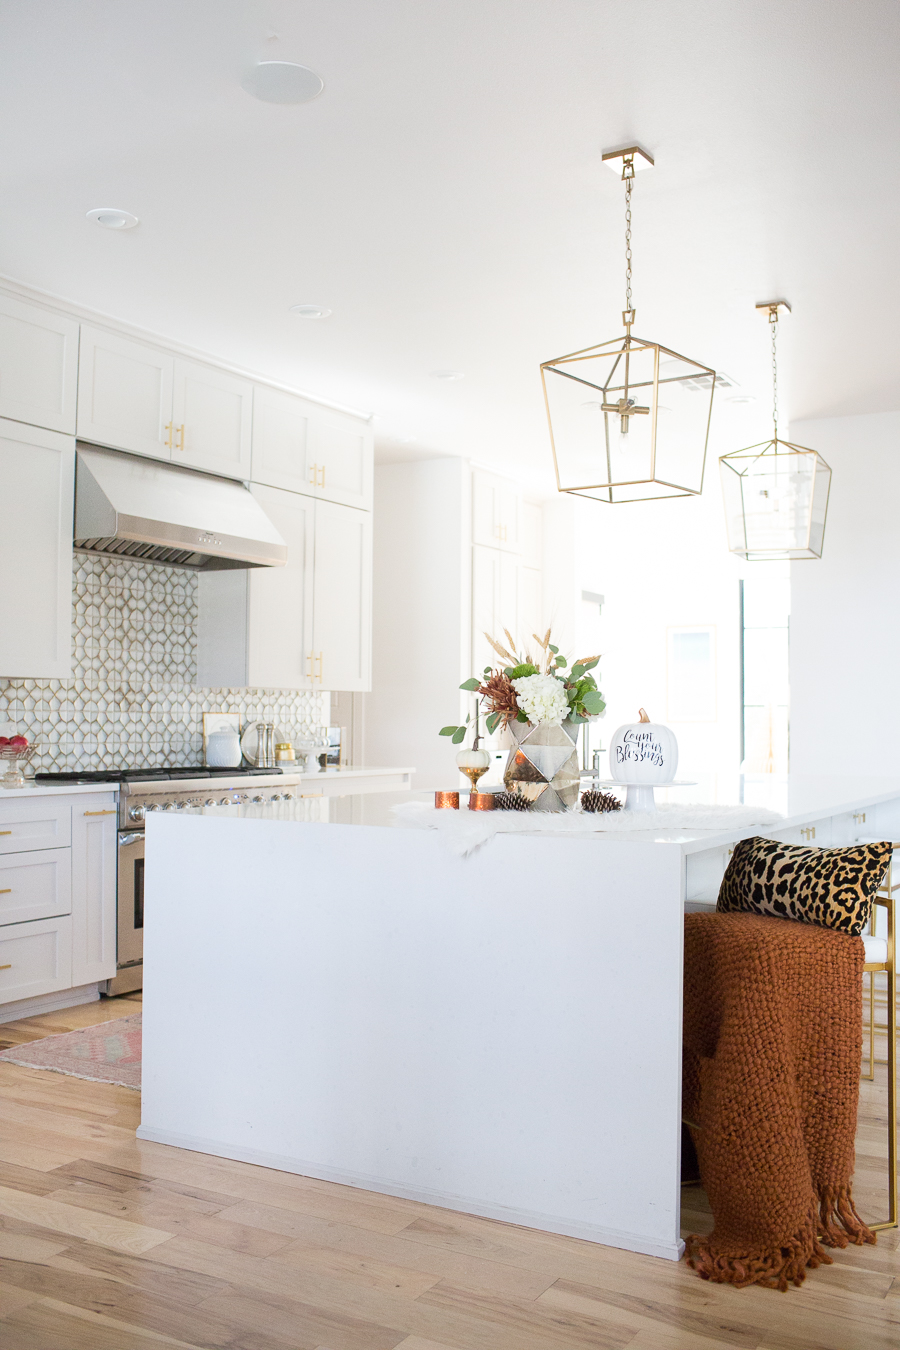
[421, 616]
[845, 643]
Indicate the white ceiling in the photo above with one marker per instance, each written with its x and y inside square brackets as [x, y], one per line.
[444, 196]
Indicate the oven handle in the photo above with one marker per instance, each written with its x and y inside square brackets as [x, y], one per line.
[126, 839]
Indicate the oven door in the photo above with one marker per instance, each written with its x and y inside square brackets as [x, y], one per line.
[130, 927]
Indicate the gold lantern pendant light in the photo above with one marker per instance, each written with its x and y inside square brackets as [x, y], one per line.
[776, 493]
[629, 419]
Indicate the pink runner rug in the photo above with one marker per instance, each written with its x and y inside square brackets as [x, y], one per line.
[107, 1053]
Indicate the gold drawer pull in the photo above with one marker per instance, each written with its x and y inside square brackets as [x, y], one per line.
[111, 812]
[7, 890]
[5, 831]
[8, 966]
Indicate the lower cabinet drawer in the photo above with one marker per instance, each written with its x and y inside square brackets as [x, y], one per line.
[36, 822]
[35, 958]
[35, 885]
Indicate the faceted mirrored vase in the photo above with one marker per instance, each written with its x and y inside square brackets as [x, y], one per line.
[629, 421]
[776, 500]
[543, 765]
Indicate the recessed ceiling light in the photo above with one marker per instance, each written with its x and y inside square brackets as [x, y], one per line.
[448, 375]
[111, 218]
[310, 311]
[282, 82]
[741, 398]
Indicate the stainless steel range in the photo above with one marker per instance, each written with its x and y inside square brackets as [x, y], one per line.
[145, 790]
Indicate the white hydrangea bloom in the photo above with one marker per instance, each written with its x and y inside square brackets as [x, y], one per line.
[542, 698]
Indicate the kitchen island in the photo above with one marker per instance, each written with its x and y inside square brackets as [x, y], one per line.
[498, 1034]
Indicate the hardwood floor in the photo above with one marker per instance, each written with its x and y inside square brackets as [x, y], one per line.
[111, 1243]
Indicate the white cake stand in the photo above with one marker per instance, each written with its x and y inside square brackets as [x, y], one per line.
[639, 796]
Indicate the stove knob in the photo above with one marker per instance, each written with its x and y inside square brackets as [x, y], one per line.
[226, 801]
[211, 801]
[259, 799]
[275, 797]
[288, 797]
[167, 806]
[136, 813]
[152, 806]
[179, 806]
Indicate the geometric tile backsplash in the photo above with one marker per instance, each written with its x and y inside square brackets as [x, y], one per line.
[131, 700]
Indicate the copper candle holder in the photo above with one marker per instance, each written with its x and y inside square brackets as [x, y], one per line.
[481, 801]
[446, 801]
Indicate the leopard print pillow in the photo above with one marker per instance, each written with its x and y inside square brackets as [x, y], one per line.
[831, 887]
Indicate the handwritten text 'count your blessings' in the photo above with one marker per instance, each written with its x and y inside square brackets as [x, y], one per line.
[639, 747]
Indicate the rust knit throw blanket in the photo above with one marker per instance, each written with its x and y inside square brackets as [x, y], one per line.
[772, 1049]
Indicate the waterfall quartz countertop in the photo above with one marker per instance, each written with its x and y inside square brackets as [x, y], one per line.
[319, 782]
[498, 1034]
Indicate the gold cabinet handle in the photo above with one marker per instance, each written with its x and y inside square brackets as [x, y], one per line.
[170, 427]
[313, 470]
[310, 673]
[321, 660]
[8, 966]
[5, 831]
[322, 480]
[180, 433]
[111, 812]
[7, 890]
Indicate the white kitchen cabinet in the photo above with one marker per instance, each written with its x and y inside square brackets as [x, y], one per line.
[212, 413]
[531, 532]
[342, 604]
[35, 885]
[302, 447]
[495, 604]
[35, 958]
[94, 867]
[125, 394]
[38, 366]
[280, 610]
[531, 620]
[37, 473]
[495, 511]
[305, 625]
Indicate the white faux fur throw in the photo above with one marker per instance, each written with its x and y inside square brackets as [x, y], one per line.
[464, 830]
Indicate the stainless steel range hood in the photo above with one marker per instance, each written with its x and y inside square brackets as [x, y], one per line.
[139, 508]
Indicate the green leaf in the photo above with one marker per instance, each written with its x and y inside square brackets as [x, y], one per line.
[593, 702]
[471, 685]
[574, 717]
[491, 722]
[589, 665]
[459, 735]
[521, 717]
[448, 731]
[519, 672]
[487, 670]
[553, 649]
[560, 662]
[576, 672]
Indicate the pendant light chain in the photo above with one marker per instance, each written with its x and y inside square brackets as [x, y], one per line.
[628, 185]
[773, 320]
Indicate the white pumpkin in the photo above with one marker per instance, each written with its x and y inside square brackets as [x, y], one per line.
[643, 752]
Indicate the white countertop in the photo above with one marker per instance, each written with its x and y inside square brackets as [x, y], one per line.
[801, 801]
[344, 773]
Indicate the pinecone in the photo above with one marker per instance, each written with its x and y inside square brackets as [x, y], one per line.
[596, 800]
[510, 801]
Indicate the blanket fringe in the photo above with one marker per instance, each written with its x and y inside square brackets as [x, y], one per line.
[839, 1223]
[776, 1269]
[836, 1223]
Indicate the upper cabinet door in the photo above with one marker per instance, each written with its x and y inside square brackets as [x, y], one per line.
[495, 511]
[38, 366]
[280, 426]
[342, 610]
[531, 530]
[280, 617]
[37, 470]
[339, 459]
[212, 416]
[125, 394]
